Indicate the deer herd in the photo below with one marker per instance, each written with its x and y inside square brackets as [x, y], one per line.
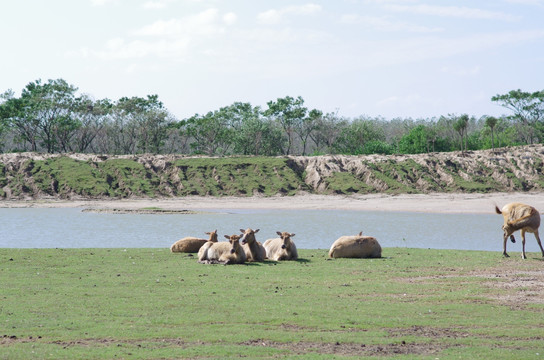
[244, 247]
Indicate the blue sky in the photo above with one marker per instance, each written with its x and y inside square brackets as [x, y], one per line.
[390, 58]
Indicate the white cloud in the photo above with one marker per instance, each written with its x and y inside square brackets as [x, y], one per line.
[166, 38]
[527, 2]
[462, 71]
[275, 16]
[230, 18]
[400, 100]
[426, 48]
[119, 48]
[156, 4]
[208, 22]
[102, 2]
[269, 17]
[452, 11]
[384, 24]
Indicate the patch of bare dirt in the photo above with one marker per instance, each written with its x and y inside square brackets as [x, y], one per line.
[518, 282]
[517, 289]
[350, 349]
[299, 348]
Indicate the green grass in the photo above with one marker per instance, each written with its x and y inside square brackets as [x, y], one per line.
[241, 176]
[152, 304]
[346, 183]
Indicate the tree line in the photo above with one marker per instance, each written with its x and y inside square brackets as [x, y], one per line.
[51, 117]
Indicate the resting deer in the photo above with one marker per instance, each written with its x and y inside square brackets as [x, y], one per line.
[282, 248]
[192, 244]
[522, 217]
[356, 246]
[222, 252]
[254, 249]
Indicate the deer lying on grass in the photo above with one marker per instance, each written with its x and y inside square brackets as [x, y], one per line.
[522, 217]
[192, 244]
[222, 252]
[356, 246]
[254, 249]
[282, 248]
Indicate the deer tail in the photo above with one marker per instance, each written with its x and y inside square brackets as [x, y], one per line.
[497, 210]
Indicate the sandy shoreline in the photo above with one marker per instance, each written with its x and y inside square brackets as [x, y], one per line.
[435, 203]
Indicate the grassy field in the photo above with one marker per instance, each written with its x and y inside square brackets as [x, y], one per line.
[152, 304]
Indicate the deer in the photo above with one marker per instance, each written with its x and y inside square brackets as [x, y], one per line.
[192, 244]
[222, 252]
[282, 248]
[356, 246]
[254, 249]
[518, 216]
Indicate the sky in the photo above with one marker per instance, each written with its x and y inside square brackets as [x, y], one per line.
[373, 58]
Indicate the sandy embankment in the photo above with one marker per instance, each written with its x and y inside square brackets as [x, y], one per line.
[435, 203]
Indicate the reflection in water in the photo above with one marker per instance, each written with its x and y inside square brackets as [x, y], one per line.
[314, 229]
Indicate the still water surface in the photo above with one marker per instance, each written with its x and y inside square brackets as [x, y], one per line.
[314, 229]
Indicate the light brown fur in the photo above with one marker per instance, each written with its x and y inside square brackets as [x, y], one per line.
[282, 248]
[518, 216]
[222, 252]
[254, 250]
[192, 244]
[356, 246]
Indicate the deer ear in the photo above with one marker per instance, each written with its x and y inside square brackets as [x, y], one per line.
[360, 233]
[208, 233]
[256, 231]
[279, 233]
[228, 237]
[242, 231]
[292, 235]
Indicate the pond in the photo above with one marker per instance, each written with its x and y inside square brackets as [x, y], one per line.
[314, 229]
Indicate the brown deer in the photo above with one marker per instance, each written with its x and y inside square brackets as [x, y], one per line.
[282, 248]
[254, 249]
[192, 244]
[222, 252]
[522, 217]
[356, 246]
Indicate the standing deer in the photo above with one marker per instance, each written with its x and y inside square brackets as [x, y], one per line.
[522, 217]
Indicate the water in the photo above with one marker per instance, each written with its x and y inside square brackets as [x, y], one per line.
[314, 229]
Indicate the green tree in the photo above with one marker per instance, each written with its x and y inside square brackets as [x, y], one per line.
[378, 147]
[461, 126]
[528, 109]
[326, 132]
[6, 113]
[416, 141]
[290, 114]
[212, 133]
[139, 125]
[305, 127]
[253, 135]
[354, 137]
[491, 122]
[43, 113]
[93, 115]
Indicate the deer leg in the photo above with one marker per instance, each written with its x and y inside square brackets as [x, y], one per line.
[504, 239]
[523, 256]
[539, 243]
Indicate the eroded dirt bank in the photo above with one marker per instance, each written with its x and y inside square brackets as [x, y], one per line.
[32, 176]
